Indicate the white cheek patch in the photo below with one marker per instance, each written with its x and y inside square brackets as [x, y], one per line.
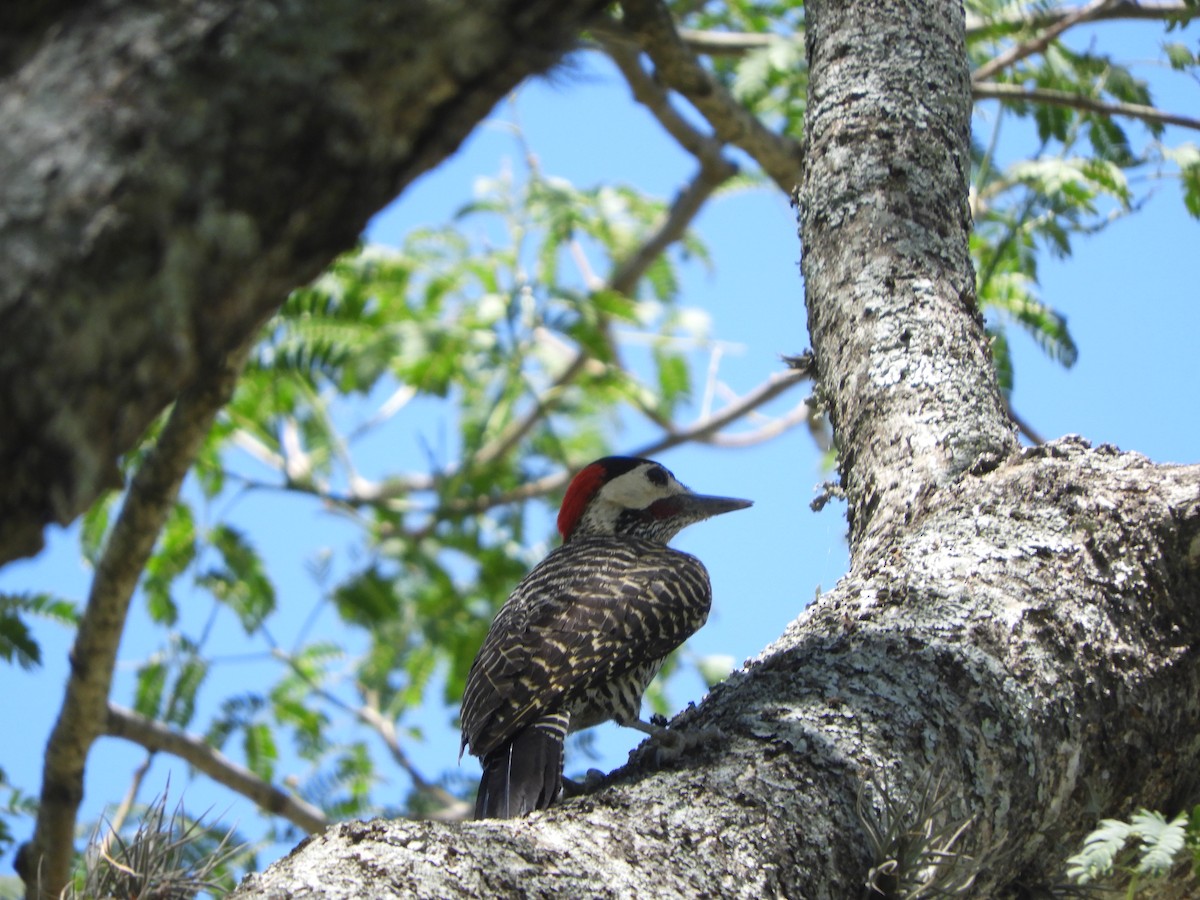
[634, 490]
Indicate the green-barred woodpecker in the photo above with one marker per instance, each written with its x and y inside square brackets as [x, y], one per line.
[582, 635]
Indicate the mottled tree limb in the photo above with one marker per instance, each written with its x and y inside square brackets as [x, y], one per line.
[82, 718]
[157, 737]
[169, 171]
[779, 156]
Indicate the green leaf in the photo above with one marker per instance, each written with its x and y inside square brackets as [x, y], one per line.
[16, 640]
[151, 681]
[258, 744]
[241, 583]
[674, 378]
[1179, 55]
[17, 643]
[367, 599]
[181, 707]
[94, 529]
[174, 552]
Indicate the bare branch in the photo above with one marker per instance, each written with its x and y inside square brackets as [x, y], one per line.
[706, 428]
[800, 415]
[990, 90]
[1121, 9]
[780, 157]
[155, 736]
[1039, 43]
[452, 808]
[714, 171]
[731, 43]
[739, 43]
[686, 206]
[82, 717]
[624, 53]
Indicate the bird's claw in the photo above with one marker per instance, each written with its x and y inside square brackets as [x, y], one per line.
[669, 744]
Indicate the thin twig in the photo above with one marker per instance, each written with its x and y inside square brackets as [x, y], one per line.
[625, 54]
[1172, 10]
[623, 279]
[739, 43]
[155, 736]
[780, 156]
[369, 715]
[1040, 42]
[451, 808]
[704, 429]
[81, 720]
[990, 90]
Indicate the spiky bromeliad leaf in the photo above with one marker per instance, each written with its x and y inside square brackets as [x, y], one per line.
[1161, 841]
[1100, 849]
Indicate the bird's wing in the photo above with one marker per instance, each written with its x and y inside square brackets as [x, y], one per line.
[590, 612]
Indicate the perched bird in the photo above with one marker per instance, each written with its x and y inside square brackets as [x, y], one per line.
[584, 633]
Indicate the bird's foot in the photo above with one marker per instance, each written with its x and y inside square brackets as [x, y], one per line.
[668, 744]
[592, 780]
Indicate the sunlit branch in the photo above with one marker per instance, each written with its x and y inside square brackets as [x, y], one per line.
[81, 720]
[1118, 10]
[739, 43]
[704, 429]
[451, 808]
[369, 715]
[773, 429]
[625, 54]
[991, 90]
[780, 156]
[396, 402]
[624, 278]
[686, 206]
[154, 736]
[1040, 42]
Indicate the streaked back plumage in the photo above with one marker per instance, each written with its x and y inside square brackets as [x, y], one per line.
[585, 631]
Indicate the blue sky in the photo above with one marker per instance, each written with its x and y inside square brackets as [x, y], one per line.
[1129, 294]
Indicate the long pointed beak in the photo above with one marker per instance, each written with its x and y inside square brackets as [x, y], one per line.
[702, 506]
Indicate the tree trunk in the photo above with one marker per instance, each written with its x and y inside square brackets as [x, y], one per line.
[168, 171]
[1014, 647]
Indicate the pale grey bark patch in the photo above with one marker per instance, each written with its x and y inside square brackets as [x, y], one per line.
[168, 171]
[1030, 642]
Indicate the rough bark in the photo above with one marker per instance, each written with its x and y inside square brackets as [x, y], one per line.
[169, 170]
[1030, 643]
[1014, 648]
[902, 357]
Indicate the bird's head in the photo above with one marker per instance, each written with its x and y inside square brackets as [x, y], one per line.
[631, 496]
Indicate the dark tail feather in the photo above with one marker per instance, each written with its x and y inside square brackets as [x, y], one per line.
[521, 776]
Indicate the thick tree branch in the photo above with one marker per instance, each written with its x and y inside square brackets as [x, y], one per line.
[990, 90]
[81, 720]
[994, 649]
[170, 171]
[780, 157]
[899, 341]
[155, 736]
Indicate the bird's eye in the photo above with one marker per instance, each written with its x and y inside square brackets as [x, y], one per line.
[657, 475]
